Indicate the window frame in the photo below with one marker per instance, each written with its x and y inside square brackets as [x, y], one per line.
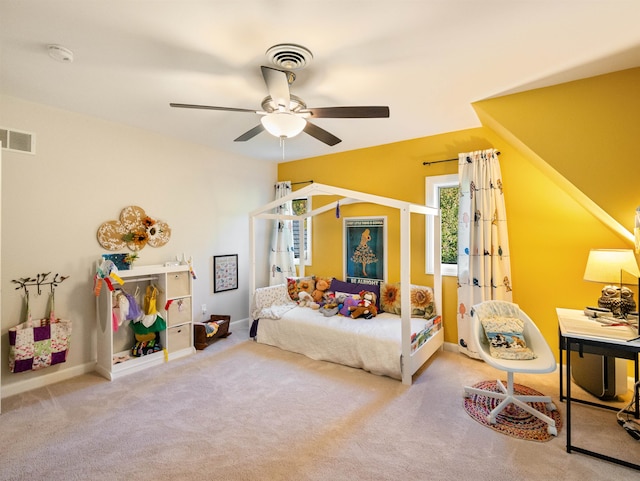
[432, 193]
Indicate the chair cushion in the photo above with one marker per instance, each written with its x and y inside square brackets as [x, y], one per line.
[506, 339]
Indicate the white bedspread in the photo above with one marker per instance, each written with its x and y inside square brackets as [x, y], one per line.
[371, 344]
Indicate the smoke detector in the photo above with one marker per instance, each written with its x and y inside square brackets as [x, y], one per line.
[289, 56]
[60, 53]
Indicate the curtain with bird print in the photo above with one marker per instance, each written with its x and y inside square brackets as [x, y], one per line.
[281, 255]
[484, 268]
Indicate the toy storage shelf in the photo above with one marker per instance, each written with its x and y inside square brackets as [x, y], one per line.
[114, 347]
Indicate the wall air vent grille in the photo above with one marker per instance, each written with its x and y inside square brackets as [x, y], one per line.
[17, 141]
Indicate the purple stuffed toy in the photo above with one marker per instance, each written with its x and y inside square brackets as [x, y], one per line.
[349, 301]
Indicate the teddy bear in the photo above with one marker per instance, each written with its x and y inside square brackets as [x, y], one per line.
[366, 307]
[305, 300]
[319, 292]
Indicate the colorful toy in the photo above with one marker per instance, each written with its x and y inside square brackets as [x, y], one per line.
[366, 307]
[305, 300]
[349, 302]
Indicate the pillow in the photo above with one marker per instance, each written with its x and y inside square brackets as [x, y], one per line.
[355, 288]
[271, 302]
[390, 297]
[506, 339]
[422, 304]
[295, 285]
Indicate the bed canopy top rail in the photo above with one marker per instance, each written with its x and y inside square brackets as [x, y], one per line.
[348, 196]
[314, 212]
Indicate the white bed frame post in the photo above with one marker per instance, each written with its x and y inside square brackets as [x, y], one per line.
[405, 293]
[252, 256]
[302, 252]
[411, 361]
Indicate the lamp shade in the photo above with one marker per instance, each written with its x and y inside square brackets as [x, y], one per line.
[283, 124]
[609, 265]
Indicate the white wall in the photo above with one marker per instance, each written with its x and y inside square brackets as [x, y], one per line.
[85, 171]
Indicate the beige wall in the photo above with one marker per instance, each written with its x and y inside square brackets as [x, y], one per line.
[85, 172]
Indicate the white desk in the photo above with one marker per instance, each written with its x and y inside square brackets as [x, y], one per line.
[579, 333]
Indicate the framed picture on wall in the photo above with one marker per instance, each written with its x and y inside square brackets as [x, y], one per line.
[365, 259]
[225, 272]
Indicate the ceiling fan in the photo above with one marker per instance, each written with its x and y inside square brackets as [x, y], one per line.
[284, 115]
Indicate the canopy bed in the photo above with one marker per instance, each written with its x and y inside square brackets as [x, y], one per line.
[394, 334]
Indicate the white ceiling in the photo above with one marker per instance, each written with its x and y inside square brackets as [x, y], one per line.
[428, 60]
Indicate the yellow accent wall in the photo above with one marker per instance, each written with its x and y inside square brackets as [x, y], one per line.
[586, 131]
[552, 223]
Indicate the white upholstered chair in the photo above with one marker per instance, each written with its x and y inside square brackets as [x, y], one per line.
[544, 361]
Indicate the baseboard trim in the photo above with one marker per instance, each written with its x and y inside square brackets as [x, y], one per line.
[46, 379]
[241, 323]
[450, 346]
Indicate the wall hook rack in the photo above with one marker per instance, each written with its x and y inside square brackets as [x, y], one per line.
[39, 281]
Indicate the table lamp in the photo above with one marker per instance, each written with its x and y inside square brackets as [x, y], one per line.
[614, 268]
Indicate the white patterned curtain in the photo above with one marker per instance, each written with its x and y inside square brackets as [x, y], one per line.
[484, 269]
[281, 256]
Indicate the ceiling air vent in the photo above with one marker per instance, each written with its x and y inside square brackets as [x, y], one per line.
[289, 56]
[17, 141]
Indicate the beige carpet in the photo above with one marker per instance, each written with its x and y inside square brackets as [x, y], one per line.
[244, 411]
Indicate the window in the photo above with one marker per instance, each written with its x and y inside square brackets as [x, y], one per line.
[443, 191]
[302, 206]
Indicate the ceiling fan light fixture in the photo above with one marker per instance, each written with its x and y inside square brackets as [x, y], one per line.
[283, 124]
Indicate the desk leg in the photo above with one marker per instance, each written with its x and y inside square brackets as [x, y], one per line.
[636, 388]
[561, 381]
[568, 380]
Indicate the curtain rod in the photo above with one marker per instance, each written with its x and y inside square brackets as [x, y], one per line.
[296, 183]
[447, 160]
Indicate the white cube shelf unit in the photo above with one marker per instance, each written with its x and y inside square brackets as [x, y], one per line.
[114, 346]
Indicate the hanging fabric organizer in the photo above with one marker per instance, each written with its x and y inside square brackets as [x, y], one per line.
[36, 344]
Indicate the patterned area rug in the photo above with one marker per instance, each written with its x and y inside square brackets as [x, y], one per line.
[513, 420]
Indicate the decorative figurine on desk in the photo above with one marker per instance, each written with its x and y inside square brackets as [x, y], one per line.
[617, 300]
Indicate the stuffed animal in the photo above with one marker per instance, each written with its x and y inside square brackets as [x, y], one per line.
[366, 307]
[349, 302]
[305, 300]
[332, 304]
[319, 292]
[329, 309]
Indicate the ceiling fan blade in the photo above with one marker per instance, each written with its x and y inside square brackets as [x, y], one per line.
[250, 133]
[277, 85]
[349, 112]
[209, 107]
[321, 134]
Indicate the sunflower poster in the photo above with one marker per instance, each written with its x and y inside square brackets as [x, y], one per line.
[364, 249]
